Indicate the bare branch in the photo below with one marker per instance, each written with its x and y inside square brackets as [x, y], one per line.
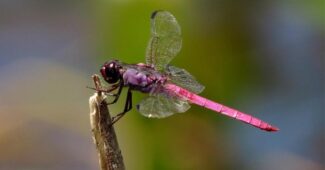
[110, 157]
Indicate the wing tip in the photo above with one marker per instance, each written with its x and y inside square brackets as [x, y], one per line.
[154, 13]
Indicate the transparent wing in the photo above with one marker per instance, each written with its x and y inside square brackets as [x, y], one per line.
[165, 41]
[162, 105]
[184, 79]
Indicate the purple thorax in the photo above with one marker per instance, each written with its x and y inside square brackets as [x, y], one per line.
[142, 77]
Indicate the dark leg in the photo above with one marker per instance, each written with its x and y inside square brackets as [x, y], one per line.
[127, 107]
[117, 95]
[107, 91]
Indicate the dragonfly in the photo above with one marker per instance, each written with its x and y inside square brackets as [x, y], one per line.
[170, 89]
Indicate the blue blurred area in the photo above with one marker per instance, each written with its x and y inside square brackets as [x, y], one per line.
[261, 57]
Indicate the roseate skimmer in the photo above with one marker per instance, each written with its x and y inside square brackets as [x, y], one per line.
[171, 89]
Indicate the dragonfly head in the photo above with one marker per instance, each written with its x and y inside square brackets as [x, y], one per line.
[111, 71]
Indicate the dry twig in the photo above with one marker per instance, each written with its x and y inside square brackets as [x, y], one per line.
[110, 157]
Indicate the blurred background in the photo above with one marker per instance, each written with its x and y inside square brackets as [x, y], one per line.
[265, 58]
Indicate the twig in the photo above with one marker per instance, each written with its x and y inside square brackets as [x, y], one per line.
[110, 157]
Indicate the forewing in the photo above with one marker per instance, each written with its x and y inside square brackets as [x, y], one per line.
[162, 105]
[184, 79]
[165, 41]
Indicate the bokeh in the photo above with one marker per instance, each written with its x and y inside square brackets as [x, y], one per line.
[265, 58]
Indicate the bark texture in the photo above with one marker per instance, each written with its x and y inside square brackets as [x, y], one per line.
[110, 156]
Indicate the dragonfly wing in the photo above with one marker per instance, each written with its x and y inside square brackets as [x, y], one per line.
[165, 41]
[184, 79]
[162, 105]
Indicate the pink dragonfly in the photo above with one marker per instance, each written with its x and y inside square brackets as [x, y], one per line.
[171, 89]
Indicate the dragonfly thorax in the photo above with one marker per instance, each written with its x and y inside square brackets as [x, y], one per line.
[142, 78]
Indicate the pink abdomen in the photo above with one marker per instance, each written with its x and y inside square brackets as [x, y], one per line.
[201, 101]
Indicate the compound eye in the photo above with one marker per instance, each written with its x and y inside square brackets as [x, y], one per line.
[112, 74]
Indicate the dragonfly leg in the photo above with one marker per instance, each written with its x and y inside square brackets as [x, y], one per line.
[117, 95]
[106, 91]
[127, 107]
